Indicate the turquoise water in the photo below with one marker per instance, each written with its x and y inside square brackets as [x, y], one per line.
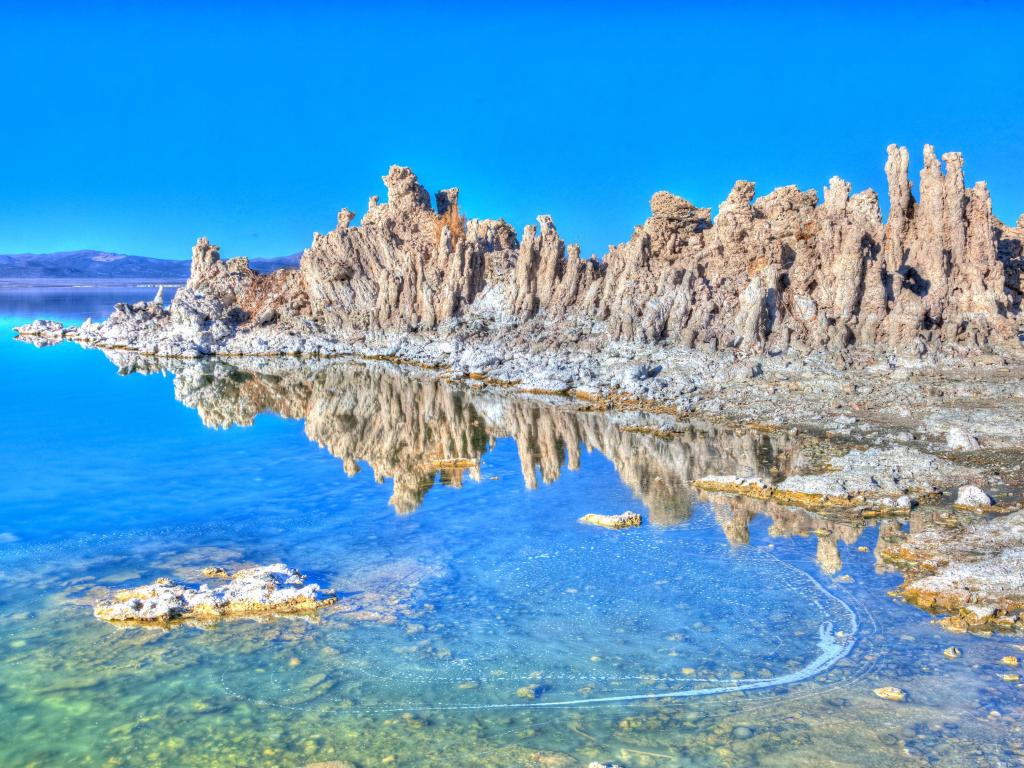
[479, 623]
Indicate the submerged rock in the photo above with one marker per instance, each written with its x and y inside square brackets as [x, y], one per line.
[532, 691]
[386, 592]
[261, 590]
[891, 693]
[615, 522]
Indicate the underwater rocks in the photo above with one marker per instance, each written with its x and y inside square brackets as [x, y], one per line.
[891, 693]
[531, 692]
[268, 589]
[613, 522]
[387, 592]
[974, 574]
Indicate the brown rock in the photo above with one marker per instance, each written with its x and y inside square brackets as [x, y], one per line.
[772, 273]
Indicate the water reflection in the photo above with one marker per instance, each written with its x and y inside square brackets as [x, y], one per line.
[63, 300]
[422, 430]
[502, 591]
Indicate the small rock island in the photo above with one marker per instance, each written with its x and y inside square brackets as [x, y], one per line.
[267, 589]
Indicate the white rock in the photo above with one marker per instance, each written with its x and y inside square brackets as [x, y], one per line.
[972, 496]
[959, 439]
[614, 522]
[50, 330]
[264, 589]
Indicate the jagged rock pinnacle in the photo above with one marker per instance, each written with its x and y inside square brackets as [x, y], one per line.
[782, 272]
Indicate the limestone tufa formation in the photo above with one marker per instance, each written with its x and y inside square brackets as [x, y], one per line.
[268, 589]
[782, 272]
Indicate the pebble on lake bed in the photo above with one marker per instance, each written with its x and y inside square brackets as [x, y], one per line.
[265, 589]
[614, 522]
[891, 693]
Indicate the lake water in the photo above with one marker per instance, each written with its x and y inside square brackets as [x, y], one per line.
[479, 623]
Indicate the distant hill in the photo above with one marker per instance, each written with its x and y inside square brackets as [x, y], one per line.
[100, 264]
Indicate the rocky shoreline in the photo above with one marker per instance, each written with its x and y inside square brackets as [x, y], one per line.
[975, 578]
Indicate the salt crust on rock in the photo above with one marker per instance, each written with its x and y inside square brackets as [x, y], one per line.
[972, 496]
[264, 589]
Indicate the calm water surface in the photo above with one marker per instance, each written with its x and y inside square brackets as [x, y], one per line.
[479, 624]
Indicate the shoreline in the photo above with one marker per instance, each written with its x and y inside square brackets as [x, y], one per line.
[805, 393]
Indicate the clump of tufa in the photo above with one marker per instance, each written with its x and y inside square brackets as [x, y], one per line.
[614, 522]
[264, 589]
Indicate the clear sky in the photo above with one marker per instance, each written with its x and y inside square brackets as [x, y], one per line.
[136, 127]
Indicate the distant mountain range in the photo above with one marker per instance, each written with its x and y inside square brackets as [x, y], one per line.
[103, 265]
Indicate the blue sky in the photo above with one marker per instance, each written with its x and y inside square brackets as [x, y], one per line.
[137, 127]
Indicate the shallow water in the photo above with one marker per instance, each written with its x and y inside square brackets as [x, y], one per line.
[725, 633]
